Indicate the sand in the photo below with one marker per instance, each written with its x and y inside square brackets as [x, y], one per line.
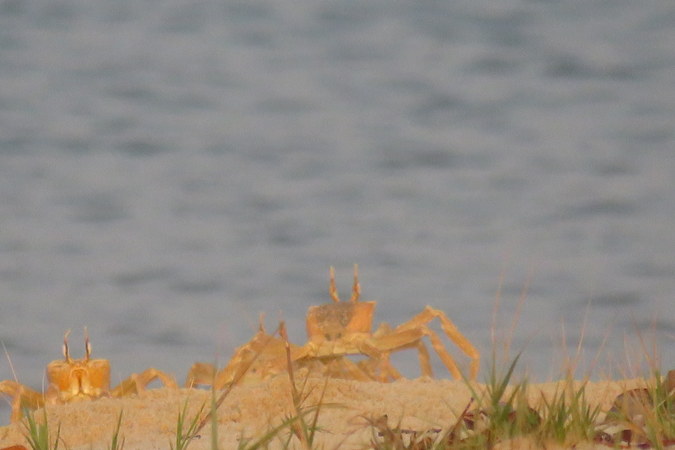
[149, 419]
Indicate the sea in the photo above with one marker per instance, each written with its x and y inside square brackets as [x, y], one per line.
[171, 170]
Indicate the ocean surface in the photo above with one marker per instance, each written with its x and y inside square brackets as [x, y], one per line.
[171, 169]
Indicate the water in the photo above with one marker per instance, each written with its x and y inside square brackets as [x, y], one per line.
[168, 170]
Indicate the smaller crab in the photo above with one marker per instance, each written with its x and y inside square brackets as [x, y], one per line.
[72, 380]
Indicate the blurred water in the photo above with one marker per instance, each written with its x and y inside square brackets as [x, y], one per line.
[168, 170]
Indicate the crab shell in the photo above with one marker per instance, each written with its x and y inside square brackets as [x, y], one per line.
[78, 379]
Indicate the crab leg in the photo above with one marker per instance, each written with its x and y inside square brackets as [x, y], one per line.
[201, 374]
[380, 369]
[448, 360]
[426, 316]
[400, 339]
[22, 397]
[136, 383]
[357, 372]
[423, 355]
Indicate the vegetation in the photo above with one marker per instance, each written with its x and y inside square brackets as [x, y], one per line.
[117, 441]
[38, 433]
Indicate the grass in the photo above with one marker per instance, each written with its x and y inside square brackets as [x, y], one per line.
[117, 441]
[567, 418]
[301, 424]
[186, 430]
[38, 434]
[502, 414]
[646, 416]
[303, 430]
[501, 411]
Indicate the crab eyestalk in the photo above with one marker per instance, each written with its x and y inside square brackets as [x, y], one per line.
[66, 354]
[332, 288]
[356, 289]
[87, 345]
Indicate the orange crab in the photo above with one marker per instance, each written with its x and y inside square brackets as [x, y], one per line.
[72, 380]
[337, 330]
[264, 356]
[344, 328]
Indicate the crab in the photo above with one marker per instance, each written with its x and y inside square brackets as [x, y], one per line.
[344, 328]
[337, 330]
[72, 380]
[263, 357]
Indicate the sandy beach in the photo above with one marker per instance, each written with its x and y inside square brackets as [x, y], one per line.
[149, 419]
